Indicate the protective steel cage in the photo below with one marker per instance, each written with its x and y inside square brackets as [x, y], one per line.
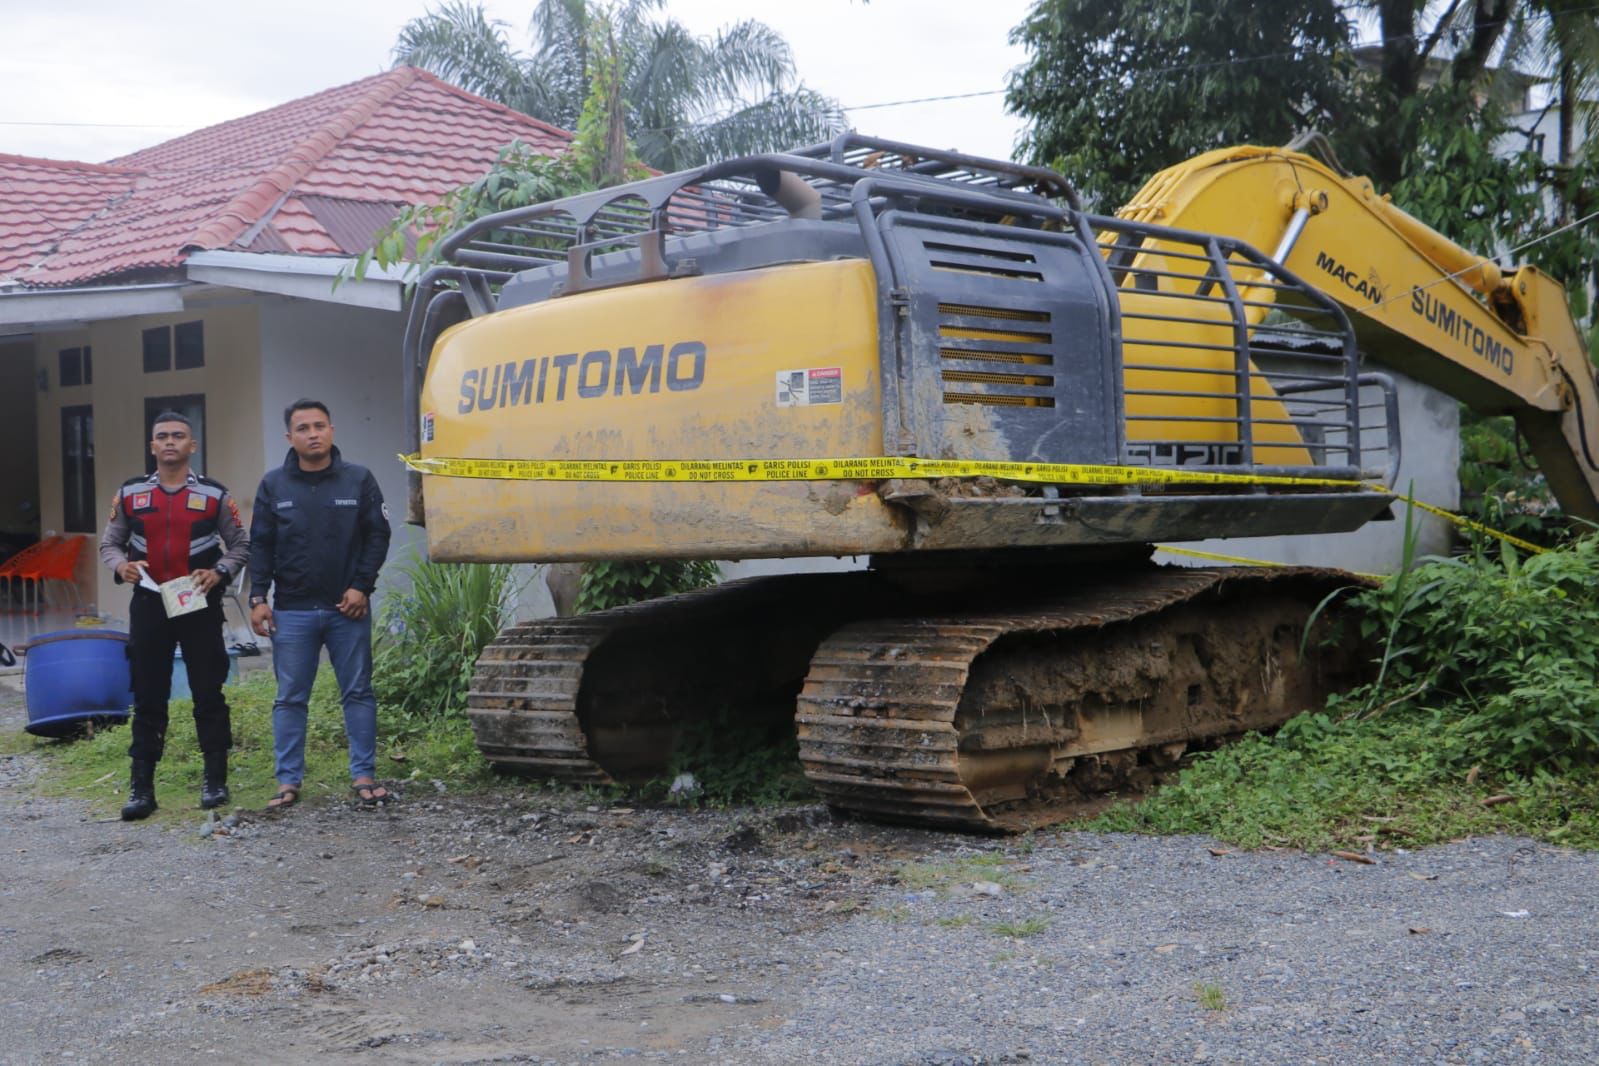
[1265, 364]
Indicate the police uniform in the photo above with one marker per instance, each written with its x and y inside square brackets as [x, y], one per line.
[176, 532]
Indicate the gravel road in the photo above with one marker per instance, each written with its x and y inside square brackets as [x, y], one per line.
[535, 927]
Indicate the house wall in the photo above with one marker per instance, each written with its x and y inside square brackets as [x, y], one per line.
[349, 358]
[1429, 470]
[19, 474]
[230, 381]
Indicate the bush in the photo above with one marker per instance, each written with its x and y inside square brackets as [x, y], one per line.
[1499, 489]
[1504, 651]
[616, 584]
[429, 638]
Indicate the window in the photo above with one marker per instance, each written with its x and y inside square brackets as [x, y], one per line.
[180, 347]
[75, 366]
[77, 469]
[157, 349]
[192, 407]
[189, 345]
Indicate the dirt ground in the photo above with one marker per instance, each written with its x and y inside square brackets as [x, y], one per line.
[533, 925]
[541, 926]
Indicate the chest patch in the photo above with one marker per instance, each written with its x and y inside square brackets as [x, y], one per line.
[284, 505]
[141, 501]
[346, 503]
[196, 503]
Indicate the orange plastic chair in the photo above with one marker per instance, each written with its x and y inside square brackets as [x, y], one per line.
[59, 562]
[29, 557]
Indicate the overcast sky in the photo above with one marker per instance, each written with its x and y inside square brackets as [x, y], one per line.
[94, 79]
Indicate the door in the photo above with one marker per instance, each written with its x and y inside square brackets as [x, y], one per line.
[77, 469]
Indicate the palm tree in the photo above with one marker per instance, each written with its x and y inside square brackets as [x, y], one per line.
[688, 99]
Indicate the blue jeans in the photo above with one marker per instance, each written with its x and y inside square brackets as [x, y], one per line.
[298, 642]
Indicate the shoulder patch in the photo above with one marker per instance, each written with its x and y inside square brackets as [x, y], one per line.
[116, 506]
[233, 509]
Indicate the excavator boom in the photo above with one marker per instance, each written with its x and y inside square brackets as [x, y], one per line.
[1502, 340]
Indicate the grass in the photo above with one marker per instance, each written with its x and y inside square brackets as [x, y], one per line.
[941, 877]
[1025, 927]
[1321, 783]
[1210, 996]
[96, 769]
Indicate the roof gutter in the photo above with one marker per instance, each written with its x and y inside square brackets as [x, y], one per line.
[43, 307]
[301, 276]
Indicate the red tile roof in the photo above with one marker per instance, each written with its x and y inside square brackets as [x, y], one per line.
[316, 176]
[43, 200]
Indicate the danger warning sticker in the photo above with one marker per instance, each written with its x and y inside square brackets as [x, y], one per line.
[808, 388]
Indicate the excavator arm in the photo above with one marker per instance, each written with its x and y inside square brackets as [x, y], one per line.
[1501, 341]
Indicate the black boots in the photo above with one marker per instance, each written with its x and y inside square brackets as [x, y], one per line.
[141, 791]
[214, 790]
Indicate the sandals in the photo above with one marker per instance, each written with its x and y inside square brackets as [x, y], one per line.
[370, 794]
[287, 797]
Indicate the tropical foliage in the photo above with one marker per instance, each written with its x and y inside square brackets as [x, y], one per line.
[688, 99]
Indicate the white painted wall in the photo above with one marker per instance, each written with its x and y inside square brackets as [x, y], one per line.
[1429, 470]
[349, 358]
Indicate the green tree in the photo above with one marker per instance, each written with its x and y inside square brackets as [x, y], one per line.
[688, 99]
[1115, 92]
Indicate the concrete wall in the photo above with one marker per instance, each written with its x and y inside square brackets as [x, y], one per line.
[1429, 470]
[229, 381]
[19, 443]
[349, 358]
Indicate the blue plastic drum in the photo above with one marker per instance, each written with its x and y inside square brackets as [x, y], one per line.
[77, 677]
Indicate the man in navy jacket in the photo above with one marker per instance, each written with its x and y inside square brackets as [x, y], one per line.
[318, 535]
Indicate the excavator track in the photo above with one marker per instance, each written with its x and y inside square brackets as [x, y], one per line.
[996, 720]
[930, 709]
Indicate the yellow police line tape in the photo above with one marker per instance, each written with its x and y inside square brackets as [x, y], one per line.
[1240, 560]
[882, 468]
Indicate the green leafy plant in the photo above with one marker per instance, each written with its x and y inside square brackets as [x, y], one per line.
[1501, 489]
[733, 760]
[1505, 649]
[613, 584]
[430, 636]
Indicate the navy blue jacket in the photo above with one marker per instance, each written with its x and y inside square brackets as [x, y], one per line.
[315, 533]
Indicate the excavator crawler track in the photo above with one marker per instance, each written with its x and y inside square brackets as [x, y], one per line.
[985, 711]
[991, 720]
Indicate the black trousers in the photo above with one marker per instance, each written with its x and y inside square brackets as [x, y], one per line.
[152, 638]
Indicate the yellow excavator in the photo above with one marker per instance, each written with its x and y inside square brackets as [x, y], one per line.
[942, 362]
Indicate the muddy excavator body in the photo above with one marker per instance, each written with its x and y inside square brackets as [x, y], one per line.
[868, 299]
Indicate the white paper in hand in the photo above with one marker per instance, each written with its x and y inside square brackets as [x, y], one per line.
[181, 597]
[146, 581]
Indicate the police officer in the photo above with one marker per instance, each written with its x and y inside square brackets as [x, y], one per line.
[321, 531]
[165, 526]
